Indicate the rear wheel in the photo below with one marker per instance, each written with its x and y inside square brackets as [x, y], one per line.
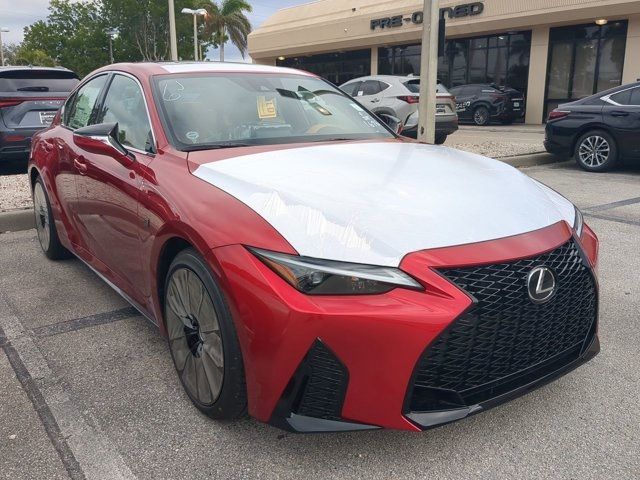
[481, 116]
[45, 225]
[202, 339]
[596, 151]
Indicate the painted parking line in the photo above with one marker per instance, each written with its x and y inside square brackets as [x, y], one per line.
[609, 206]
[84, 322]
[84, 449]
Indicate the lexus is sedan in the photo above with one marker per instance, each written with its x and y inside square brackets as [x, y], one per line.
[306, 263]
[599, 131]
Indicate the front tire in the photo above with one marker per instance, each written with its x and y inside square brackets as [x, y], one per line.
[481, 116]
[202, 338]
[596, 151]
[45, 224]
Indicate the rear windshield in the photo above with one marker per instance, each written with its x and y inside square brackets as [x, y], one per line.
[37, 81]
[414, 87]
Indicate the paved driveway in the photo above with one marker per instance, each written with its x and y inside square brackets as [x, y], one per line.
[88, 389]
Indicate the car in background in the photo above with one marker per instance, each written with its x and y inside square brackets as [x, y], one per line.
[484, 103]
[399, 96]
[598, 130]
[29, 100]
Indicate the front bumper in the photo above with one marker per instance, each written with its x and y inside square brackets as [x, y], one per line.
[349, 363]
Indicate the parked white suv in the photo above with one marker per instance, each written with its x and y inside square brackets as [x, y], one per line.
[399, 96]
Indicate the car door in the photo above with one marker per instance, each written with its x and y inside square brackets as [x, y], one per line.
[465, 96]
[109, 188]
[622, 113]
[368, 94]
[78, 111]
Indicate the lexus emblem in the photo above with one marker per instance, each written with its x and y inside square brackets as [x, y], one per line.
[541, 284]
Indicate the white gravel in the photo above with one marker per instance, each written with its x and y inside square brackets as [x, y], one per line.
[14, 192]
[497, 150]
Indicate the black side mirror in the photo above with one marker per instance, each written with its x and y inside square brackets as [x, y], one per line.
[103, 139]
[394, 123]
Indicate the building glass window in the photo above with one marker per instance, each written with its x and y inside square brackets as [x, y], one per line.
[583, 60]
[502, 59]
[338, 67]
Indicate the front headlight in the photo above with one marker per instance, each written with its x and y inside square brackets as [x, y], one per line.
[315, 276]
[578, 223]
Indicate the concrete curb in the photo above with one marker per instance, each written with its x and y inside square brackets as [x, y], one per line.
[531, 160]
[17, 220]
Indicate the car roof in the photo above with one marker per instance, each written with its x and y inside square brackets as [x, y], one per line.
[33, 67]
[163, 68]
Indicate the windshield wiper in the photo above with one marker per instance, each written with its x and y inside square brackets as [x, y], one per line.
[216, 146]
[33, 89]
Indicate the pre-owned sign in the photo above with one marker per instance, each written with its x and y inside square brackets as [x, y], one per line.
[459, 11]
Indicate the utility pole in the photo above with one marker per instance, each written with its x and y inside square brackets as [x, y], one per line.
[429, 72]
[172, 31]
[113, 33]
[195, 38]
[2, 30]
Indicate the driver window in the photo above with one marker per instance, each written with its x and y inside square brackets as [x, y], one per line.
[125, 105]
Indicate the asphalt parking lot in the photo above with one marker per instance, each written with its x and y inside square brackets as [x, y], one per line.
[89, 390]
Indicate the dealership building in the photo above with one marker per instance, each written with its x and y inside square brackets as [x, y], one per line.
[551, 50]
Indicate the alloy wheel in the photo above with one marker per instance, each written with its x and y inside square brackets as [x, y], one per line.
[41, 211]
[481, 116]
[594, 151]
[194, 336]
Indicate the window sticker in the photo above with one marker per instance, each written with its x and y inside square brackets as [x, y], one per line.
[267, 108]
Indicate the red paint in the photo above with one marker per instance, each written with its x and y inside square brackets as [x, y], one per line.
[118, 216]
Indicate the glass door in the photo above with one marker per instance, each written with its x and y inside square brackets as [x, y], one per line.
[583, 60]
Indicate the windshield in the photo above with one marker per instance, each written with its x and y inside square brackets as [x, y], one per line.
[202, 111]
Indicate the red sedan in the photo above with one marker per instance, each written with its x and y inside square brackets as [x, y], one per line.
[305, 262]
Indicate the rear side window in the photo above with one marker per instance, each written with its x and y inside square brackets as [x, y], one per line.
[37, 81]
[635, 97]
[372, 87]
[622, 98]
[79, 109]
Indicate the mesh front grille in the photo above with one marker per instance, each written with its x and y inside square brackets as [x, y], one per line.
[324, 386]
[505, 332]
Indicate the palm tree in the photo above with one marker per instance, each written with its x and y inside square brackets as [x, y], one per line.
[227, 21]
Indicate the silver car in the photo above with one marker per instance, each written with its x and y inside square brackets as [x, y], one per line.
[399, 96]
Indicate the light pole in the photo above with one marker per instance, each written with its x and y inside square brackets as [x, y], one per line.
[195, 13]
[2, 30]
[172, 32]
[113, 33]
[428, 72]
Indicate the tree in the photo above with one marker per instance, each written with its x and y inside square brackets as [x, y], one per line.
[73, 35]
[143, 29]
[24, 56]
[227, 21]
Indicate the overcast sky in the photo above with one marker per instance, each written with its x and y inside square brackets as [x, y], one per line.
[15, 15]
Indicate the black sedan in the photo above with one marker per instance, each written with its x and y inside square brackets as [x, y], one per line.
[599, 130]
[483, 103]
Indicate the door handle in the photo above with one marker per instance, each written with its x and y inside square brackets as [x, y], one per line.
[375, 100]
[80, 165]
[619, 114]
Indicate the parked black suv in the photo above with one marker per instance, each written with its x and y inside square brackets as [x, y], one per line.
[598, 130]
[482, 103]
[29, 99]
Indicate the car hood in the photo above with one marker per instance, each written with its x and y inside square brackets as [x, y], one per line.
[375, 202]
